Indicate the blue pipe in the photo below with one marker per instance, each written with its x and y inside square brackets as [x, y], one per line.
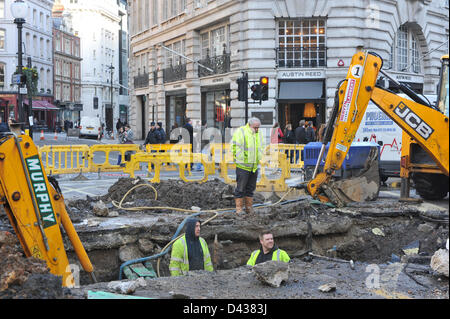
[180, 227]
[139, 260]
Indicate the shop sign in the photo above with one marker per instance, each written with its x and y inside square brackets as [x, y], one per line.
[304, 74]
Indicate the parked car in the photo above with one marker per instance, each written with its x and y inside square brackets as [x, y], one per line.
[90, 126]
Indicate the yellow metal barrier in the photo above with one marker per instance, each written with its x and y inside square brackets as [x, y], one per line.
[106, 166]
[181, 160]
[293, 153]
[265, 184]
[65, 159]
[173, 150]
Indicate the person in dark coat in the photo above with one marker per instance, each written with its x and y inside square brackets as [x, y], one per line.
[310, 133]
[153, 136]
[162, 133]
[300, 133]
[289, 138]
[188, 126]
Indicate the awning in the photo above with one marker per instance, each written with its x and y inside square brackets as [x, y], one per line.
[301, 90]
[42, 106]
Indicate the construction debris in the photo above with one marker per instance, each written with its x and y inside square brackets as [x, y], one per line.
[439, 262]
[272, 273]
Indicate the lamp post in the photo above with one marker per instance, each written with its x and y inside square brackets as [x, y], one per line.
[111, 68]
[19, 11]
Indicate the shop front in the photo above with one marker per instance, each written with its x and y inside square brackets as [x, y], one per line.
[301, 96]
[45, 115]
[215, 108]
[175, 109]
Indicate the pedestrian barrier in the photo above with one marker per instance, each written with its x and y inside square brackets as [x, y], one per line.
[107, 165]
[264, 183]
[65, 159]
[156, 159]
[172, 149]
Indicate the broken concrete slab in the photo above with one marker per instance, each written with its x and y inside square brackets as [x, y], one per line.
[99, 209]
[327, 287]
[272, 273]
[439, 262]
[126, 287]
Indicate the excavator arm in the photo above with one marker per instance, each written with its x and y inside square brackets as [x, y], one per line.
[426, 125]
[35, 208]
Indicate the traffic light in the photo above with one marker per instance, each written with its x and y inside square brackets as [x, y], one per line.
[264, 84]
[256, 92]
[242, 89]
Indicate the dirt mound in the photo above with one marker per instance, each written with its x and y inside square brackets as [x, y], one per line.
[25, 278]
[212, 194]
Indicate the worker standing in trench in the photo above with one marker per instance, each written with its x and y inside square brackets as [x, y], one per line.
[268, 251]
[247, 146]
[190, 252]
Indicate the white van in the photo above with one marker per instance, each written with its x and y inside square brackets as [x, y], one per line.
[379, 128]
[90, 126]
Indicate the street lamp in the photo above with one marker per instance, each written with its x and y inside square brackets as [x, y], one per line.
[111, 68]
[19, 11]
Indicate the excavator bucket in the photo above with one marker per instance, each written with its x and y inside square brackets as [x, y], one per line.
[365, 186]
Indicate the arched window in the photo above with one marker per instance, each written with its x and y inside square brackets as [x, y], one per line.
[405, 54]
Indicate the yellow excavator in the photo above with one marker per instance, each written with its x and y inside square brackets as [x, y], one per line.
[35, 207]
[425, 142]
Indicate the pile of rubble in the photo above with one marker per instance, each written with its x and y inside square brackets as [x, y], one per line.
[25, 278]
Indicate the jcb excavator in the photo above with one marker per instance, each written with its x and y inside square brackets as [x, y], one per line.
[425, 143]
[35, 207]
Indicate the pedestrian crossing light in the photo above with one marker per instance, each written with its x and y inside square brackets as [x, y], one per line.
[264, 88]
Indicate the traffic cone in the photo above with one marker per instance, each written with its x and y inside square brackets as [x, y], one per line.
[42, 135]
[56, 136]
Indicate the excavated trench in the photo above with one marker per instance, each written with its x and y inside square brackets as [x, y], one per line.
[365, 232]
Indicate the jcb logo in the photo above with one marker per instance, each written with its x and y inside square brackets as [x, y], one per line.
[413, 120]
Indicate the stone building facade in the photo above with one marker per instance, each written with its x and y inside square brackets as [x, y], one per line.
[304, 47]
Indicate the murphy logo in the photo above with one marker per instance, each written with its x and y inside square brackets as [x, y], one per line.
[413, 120]
[40, 191]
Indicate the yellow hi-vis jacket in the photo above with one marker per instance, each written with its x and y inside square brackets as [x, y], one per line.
[179, 261]
[247, 148]
[278, 254]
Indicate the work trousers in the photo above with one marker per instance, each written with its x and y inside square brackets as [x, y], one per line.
[245, 183]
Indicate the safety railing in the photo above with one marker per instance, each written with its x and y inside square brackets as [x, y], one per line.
[110, 164]
[65, 159]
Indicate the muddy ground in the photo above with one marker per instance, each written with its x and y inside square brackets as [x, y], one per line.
[371, 234]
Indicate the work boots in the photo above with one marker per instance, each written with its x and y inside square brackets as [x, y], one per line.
[239, 205]
[249, 205]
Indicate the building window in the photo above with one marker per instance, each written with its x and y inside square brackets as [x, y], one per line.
[407, 54]
[2, 39]
[155, 12]
[173, 59]
[215, 42]
[301, 43]
[2, 9]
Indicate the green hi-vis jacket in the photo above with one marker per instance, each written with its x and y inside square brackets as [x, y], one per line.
[278, 254]
[247, 148]
[179, 261]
